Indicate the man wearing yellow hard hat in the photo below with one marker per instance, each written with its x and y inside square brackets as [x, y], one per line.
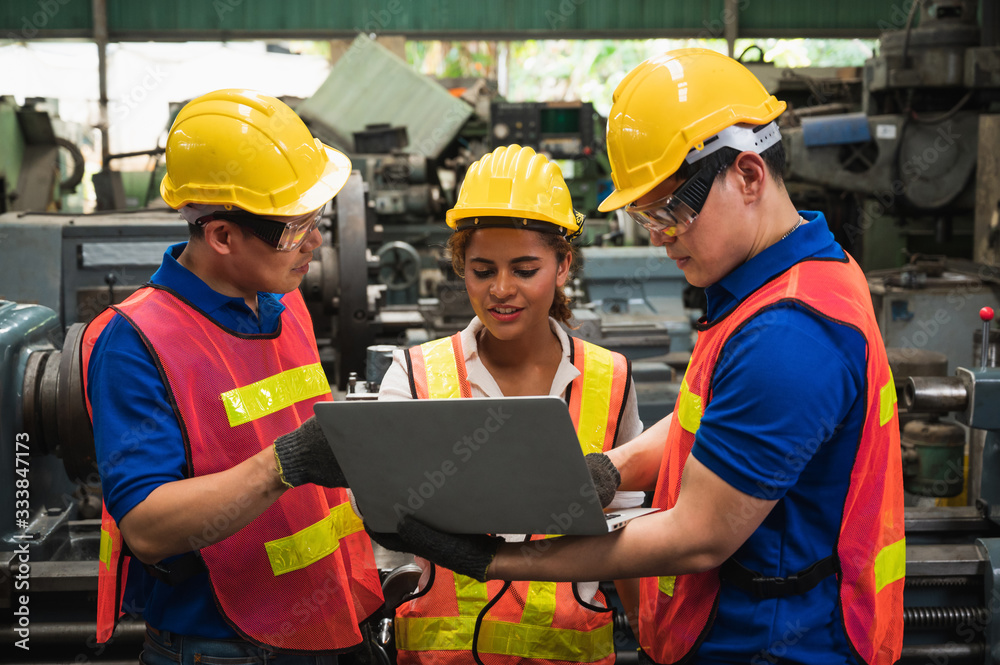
[779, 469]
[226, 523]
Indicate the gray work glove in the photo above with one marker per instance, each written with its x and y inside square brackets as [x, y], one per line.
[466, 555]
[303, 456]
[605, 476]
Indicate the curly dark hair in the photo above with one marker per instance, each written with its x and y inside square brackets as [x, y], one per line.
[560, 310]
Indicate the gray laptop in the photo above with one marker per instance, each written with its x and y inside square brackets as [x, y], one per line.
[484, 465]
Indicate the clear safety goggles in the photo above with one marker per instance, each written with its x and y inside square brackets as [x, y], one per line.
[675, 212]
[285, 236]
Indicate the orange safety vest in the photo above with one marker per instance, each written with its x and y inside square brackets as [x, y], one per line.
[676, 613]
[302, 575]
[534, 622]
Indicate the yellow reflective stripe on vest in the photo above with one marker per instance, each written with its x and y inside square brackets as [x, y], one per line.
[595, 398]
[689, 408]
[505, 638]
[441, 369]
[886, 401]
[248, 403]
[309, 545]
[345, 520]
[540, 605]
[105, 549]
[890, 564]
[470, 594]
[666, 585]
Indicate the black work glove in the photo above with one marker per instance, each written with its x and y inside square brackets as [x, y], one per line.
[303, 456]
[468, 555]
[605, 476]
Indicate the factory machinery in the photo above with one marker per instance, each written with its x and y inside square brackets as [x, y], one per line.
[951, 594]
[905, 163]
[373, 286]
[61, 270]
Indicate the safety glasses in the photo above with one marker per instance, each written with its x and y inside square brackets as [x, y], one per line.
[284, 236]
[675, 212]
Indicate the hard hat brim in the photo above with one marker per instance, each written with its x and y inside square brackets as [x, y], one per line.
[335, 175]
[620, 198]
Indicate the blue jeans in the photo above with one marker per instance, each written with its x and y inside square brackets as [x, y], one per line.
[166, 648]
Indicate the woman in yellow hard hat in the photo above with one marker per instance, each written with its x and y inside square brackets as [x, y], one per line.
[513, 224]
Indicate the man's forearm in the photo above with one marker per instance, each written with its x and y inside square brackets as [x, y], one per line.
[708, 523]
[189, 514]
[644, 548]
[638, 461]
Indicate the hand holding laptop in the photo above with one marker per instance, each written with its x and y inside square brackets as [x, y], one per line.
[466, 555]
[605, 476]
[303, 456]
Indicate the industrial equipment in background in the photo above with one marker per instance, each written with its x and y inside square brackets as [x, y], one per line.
[76, 265]
[412, 141]
[901, 155]
[912, 167]
[572, 133]
[40, 161]
[953, 552]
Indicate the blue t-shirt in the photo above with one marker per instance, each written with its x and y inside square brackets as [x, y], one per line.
[139, 443]
[783, 424]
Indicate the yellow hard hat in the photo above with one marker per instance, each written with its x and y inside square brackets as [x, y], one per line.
[251, 151]
[515, 186]
[671, 104]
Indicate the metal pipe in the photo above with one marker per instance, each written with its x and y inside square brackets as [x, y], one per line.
[100, 11]
[985, 346]
[75, 632]
[924, 394]
[731, 23]
[953, 654]
[946, 617]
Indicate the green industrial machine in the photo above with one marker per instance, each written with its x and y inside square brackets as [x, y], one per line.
[37, 167]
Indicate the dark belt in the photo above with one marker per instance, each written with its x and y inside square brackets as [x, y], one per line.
[179, 570]
[756, 584]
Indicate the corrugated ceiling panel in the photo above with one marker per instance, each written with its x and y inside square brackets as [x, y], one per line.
[21, 20]
[781, 15]
[232, 19]
[438, 16]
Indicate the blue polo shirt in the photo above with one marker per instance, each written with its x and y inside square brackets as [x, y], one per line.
[784, 422]
[139, 443]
